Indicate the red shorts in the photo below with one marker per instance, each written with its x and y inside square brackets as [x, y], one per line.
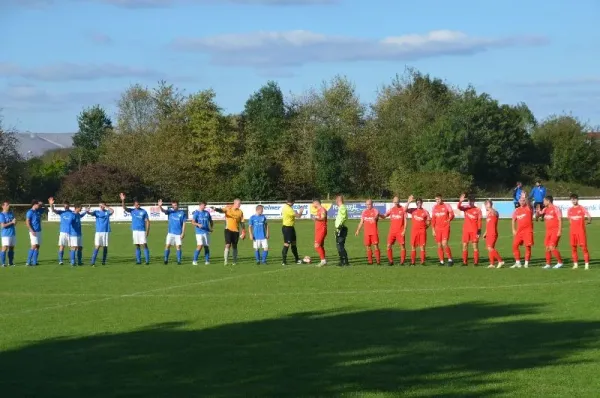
[470, 237]
[371, 240]
[551, 238]
[442, 234]
[320, 237]
[418, 238]
[394, 237]
[579, 238]
[524, 238]
[490, 240]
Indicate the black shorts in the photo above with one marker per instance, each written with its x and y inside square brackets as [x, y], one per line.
[539, 205]
[289, 234]
[232, 237]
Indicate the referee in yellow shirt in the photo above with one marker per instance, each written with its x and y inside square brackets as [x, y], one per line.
[289, 216]
[234, 228]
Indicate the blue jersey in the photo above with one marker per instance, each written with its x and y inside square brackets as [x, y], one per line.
[76, 224]
[138, 218]
[8, 231]
[202, 217]
[66, 218]
[517, 194]
[538, 194]
[102, 220]
[35, 219]
[176, 220]
[259, 226]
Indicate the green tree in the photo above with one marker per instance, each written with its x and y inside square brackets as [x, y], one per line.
[136, 111]
[94, 127]
[331, 162]
[45, 173]
[11, 164]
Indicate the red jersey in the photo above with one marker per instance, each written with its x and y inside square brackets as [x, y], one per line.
[321, 224]
[576, 216]
[397, 214]
[419, 219]
[552, 216]
[441, 215]
[491, 223]
[524, 218]
[473, 217]
[370, 217]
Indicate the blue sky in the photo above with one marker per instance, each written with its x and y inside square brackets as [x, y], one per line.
[59, 56]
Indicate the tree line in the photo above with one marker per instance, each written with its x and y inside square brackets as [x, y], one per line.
[420, 136]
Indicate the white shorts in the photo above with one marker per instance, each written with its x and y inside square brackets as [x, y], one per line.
[260, 244]
[202, 239]
[63, 239]
[173, 240]
[35, 239]
[101, 239]
[139, 237]
[75, 241]
[9, 241]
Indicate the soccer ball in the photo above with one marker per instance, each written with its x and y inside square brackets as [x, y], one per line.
[307, 260]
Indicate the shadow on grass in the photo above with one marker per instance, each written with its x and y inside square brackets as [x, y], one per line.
[460, 350]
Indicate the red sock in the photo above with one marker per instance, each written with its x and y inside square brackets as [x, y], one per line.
[403, 256]
[370, 256]
[422, 256]
[390, 255]
[527, 253]
[548, 257]
[497, 255]
[574, 254]
[586, 255]
[321, 252]
[491, 257]
[476, 256]
[378, 255]
[557, 256]
[413, 256]
[441, 254]
[465, 256]
[448, 252]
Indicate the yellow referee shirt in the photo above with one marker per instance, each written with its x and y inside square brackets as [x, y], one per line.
[233, 219]
[288, 215]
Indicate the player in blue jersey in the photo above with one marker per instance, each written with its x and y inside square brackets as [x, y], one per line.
[102, 230]
[75, 236]
[176, 229]
[140, 225]
[33, 220]
[64, 236]
[202, 220]
[9, 240]
[259, 234]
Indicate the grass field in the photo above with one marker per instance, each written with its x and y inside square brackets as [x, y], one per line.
[126, 330]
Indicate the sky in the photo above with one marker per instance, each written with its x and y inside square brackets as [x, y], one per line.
[58, 57]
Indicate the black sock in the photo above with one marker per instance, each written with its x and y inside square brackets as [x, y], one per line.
[295, 253]
[284, 253]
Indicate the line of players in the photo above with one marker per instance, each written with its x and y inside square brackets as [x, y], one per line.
[70, 235]
[442, 215]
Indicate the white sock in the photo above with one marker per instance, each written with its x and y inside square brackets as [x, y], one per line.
[226, 254]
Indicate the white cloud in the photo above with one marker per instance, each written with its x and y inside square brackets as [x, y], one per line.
[27, 97]
[297, 47]
[70, 72]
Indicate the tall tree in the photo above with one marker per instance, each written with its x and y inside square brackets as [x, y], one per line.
[11, 166]
[94, 127]
[331, 162]
[136, 112]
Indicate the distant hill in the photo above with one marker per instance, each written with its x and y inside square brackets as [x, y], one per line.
[36, 144]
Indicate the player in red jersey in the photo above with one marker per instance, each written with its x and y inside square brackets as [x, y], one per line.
[397, 216]
[320, 230]
[441, 216]
[369, 218]
[471, 228]
[577, 216]
[418, 232]
[522, 229]
[491, 233]
[552, 217]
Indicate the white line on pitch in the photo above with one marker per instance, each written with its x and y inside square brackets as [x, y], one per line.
[145, 292]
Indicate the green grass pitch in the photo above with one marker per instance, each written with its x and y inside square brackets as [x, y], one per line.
[126, 330]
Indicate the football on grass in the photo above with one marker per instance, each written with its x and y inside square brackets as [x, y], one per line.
[307, 260]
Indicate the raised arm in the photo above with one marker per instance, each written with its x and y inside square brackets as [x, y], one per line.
[460, 203]
[160, 203]
[411, 199]
[125, 208]
[51, 203]
[88, 211]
